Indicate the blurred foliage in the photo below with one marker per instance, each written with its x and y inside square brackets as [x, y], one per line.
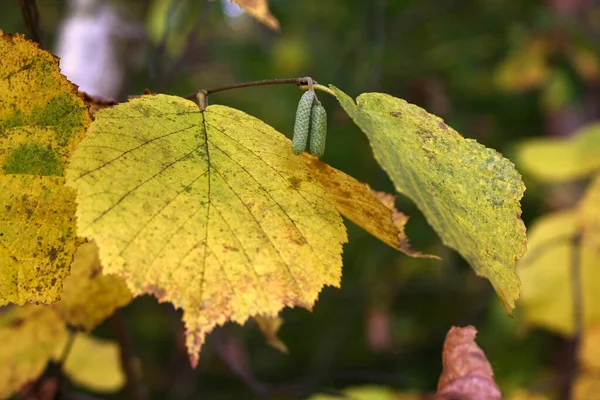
[496, 70]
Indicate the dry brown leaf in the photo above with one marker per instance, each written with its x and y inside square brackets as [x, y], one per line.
[467, 374]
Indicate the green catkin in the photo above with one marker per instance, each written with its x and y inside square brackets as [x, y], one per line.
[302, 124]
[318, 130]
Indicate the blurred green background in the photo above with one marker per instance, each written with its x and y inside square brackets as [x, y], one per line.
[495, 70]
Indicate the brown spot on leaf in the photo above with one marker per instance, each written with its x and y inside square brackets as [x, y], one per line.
[52, 254]
[156, 291]
[295, 182]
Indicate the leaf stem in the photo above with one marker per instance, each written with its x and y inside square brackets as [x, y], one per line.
[305, 83]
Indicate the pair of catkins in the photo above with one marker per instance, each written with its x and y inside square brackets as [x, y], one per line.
[311, 125]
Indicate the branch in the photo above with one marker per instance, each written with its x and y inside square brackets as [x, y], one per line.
[572, 369]
[31, 17]
[134, 385]
[305, 83]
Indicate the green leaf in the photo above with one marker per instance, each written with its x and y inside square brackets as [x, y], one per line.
[468, 193]
[208, 210]
[559, 160]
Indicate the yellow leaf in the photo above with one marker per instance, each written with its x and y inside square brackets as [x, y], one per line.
[207, 210]
[41, 116]
[587, 387]
[37, 237]
[559, 160]
[269, 326]
[526, 395]
[586, 62]
[29, 335]
[92, 363]
[589, 214]
[373, 211]
[41, 121]
[468, 193]
[589, 351]
[89, 297]
[526, 67]
[369, 392]
[545, 272]
[259, 9]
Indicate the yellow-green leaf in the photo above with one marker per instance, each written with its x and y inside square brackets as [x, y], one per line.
[92, 363]
[373, 211]
[41, 120]
[207, 210]
[29, 336]
[259, 9]
[89, 297]
[37, 237]
[545, 272]
[468, 193]
[559, 160]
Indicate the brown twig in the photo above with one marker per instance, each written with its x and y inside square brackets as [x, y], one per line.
[134, 385]
[282, 81]
[31, 17]
[572, 368]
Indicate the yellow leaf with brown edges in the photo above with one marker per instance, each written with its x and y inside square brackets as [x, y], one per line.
[208, 210]
[373, 211]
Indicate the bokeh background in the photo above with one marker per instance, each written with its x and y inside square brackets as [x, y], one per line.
[498, 71]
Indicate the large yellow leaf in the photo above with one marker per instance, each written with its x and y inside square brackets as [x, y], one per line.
[28, 337]
[469, 194]
[92, 363]
[545, 272]
[559, 160]
[259, 9]
[41, 121]
[373, 211]
[208, 210]
[89, 297]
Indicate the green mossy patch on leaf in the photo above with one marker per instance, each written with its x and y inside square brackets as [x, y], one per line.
[33, 159]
